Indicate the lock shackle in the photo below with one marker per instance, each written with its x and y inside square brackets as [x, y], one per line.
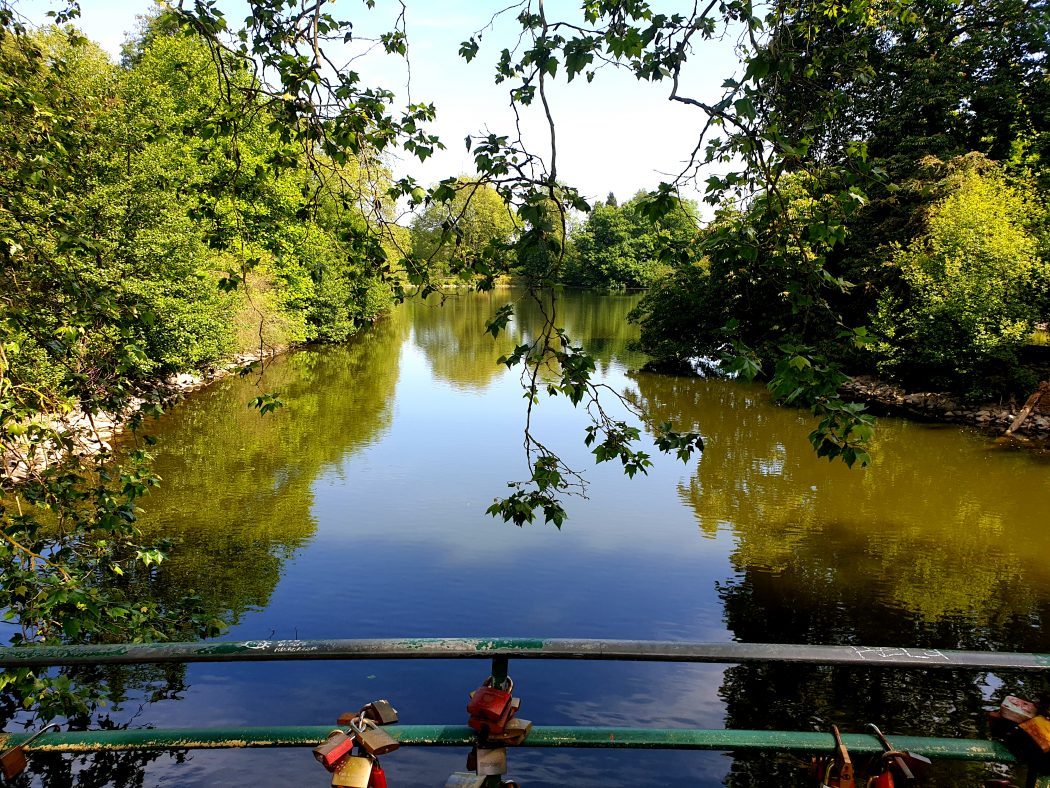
[33, 738]
[356, 726]
[507, 685]
[882, 739]
[360, 724]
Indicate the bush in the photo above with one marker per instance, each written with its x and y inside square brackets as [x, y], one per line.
[971, 286]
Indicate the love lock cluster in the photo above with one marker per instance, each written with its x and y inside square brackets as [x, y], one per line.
[894, 767]
[492, 711]
[351, 752]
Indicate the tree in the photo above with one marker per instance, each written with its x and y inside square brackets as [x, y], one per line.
[971, 285]
[455, 236]
[619, 247]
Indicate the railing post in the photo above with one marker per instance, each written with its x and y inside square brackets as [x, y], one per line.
[500, 667]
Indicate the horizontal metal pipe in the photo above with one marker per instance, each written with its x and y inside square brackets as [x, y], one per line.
[518, 648]
[540, 736]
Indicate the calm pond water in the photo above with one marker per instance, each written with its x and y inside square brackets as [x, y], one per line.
[359, 511]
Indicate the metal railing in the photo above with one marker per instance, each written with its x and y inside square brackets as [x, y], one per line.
[500, 651]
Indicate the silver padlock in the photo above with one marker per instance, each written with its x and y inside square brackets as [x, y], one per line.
[492, 761]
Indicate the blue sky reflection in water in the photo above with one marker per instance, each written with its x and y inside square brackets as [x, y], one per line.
[358, 511]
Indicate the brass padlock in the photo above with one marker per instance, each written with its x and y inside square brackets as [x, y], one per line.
[354, 771]
[465, 780]
[381, 712]
[1037, 730]
[373, 739]
[13, 762]
[492, 761]
[843, 765]
[514, 733]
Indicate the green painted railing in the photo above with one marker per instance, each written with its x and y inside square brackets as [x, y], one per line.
[500, 651]
[540, 736]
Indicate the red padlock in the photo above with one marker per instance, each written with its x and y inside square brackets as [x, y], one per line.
[336, 747]
[488, 702]
[883, 779]
[496, 727]
[377, 779]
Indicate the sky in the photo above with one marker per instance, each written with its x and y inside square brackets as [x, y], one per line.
[614, 135]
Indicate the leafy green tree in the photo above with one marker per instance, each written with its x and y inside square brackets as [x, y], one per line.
[971, 285]
[475, 225]
[620, 247]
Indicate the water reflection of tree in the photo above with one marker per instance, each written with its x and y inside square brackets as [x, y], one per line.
[452, 335]
[237, 492]
[935, 528]
[929, 548]
[236, 501]
[123, 686]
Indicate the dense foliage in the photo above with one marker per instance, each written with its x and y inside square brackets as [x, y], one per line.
[473, 230]
[619, 246]
[902, 228]
[972, 285]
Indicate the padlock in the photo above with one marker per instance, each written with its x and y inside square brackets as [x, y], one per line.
[373, 739]
[514, 733]
[820, 769]
[472, 759]
[336, 747]
[377, 779]
[883, 779]
[1037, 730]
[381, 712]
[509, 784]
[1017, 709]
[354, 771]
[907, 767]
[492, 761]
[841, 775]
[488, 702]
[13, 762]
[465, 780]
[496, 727]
